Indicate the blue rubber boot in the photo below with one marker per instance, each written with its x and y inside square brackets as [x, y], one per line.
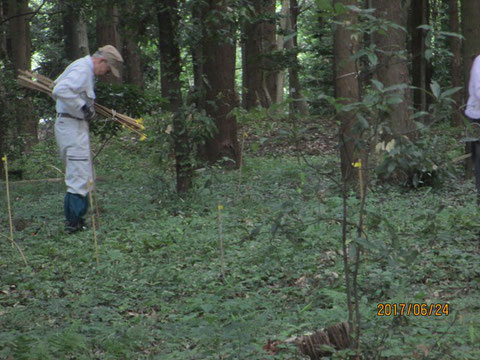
[75, 206]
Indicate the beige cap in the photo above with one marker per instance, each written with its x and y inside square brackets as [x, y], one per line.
[113, 57]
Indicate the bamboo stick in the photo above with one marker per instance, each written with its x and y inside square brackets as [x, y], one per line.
[92, 214]
[10, 211]
[45, 85]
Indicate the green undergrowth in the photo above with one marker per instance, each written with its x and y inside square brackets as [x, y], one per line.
[158, 291]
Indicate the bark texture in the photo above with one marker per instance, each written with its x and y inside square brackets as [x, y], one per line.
[219, 72]
[171, 89]
[75, 30]
[299, 104]
[456, 67]
[260, 75]
[393, 68]
[421, 76]
[19, 51]
[108, 34]
[346, 87]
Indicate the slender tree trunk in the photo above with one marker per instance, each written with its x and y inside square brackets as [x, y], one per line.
[3, 121]
[197, 51]
[108, 34]
[299, 104]
[393, 67]
[3, 31]
[346, 87]
[171, 68]
[419, 16]
[19, 30]
[3, 97]
[280, 47]
[75, 30]
[456, 67]
[471, 48]
[219, 71]
[259, 42]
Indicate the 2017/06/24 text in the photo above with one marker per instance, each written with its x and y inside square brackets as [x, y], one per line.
[413, 309]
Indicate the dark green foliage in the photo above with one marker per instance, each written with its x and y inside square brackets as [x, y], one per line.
[125, 99]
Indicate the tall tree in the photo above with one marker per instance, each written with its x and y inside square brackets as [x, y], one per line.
[259, 74]
[346, 84]
[133, 26]
[133, 71]
[75, 29]
[219, 74]
[19, 53]
[168, 20]
[108, 19]
[295, 89]
[456, 67]
[3, 32]
[393, 67]
[283, 26]
[419, 15]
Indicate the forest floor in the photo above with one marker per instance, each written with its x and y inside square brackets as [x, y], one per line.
[158, 290]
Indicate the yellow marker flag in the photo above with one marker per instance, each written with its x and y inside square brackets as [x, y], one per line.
[358, 164]
[220, 207]
[4, 158]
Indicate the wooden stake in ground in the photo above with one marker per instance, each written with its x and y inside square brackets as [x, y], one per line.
[92, 215]
[220, 239]
[241, 161]
[5, 161]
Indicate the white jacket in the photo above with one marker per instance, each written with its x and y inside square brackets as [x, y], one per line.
[75, 87]
[473, 103]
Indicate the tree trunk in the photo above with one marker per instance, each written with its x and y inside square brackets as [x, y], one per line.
[130, 33]
[346, 87]
[281, 46]
[393, 69]
[19, 51]
[133, 62]
[108, 34]
[171, 68]
[471, 48]
[3, 31]
[75, 30]
[219, 71]
[259, 43]
[456, 67]
[3, 122]
[419, 16]
[299, 104]
[198, 14]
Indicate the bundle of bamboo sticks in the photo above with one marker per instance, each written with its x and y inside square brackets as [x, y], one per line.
[43, 84]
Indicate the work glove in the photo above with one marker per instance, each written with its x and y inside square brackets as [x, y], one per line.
[88, 112]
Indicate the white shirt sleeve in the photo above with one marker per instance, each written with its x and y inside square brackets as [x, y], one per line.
[69, 88]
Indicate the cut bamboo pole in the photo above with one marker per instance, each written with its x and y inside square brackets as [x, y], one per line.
[43, 84]
[5, 160]
[220, 240]
[92, 214]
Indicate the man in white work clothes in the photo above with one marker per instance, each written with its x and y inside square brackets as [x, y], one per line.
[75, 96]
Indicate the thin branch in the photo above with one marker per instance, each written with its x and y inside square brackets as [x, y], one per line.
[33, 13]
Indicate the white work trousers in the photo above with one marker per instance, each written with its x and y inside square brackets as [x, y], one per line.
[73, 139]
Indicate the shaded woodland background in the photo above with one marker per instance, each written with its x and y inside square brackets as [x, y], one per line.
[200, 60]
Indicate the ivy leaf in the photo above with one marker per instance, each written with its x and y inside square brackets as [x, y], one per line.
[435, 89]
